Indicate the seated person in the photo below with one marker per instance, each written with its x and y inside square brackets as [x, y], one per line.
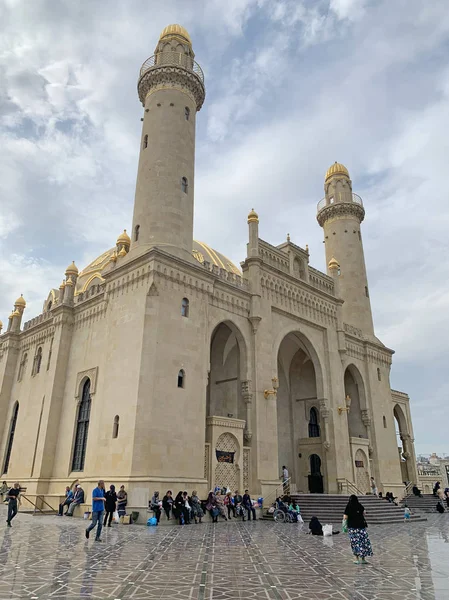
[315, 527]
[78, 498]
[416, 491]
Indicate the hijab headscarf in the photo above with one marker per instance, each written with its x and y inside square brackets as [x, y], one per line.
[315, 526]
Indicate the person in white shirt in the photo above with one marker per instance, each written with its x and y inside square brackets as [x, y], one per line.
[285, 479]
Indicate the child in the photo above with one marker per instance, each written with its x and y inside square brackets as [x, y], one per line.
[407, 513]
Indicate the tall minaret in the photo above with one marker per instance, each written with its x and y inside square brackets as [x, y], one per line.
[171, 89]
[340, 213]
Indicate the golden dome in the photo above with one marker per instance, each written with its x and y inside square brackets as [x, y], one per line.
[11, 316]
[62, 286]
[72, 269]
[253, 217]
[333, 264]
[69, 281]
[122, 251]
[124, 238]
[336, 168]
[16, 314]
[175, 30]
[20, 302]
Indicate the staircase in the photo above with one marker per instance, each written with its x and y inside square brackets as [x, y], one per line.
[329, 508]
[426, 504]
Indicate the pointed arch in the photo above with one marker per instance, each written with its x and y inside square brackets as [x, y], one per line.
[82, 427]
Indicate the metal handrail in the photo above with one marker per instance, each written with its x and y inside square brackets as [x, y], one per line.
[322, 203]
[408, 489]
[280, 486]
[350, 487]
[41, 498]
[172, 59]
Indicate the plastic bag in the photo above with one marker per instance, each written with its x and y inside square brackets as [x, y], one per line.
[327, 530]
[87, 515]
[344, 526]
[116, 517]
[300, 519]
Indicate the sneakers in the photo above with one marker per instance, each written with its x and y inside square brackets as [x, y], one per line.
[8, 524]
[98, 540]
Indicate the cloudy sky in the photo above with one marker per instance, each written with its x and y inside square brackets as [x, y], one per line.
[292, 86]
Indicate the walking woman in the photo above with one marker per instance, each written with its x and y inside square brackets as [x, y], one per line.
[354, 519]
[110, 505]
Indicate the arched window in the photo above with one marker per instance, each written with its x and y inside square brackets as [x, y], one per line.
[115, 426]
[22, 367]
[385, 421]
[12, 429]
[314, 428]
[187, 113]
[184, 184]
[145, 142]
[82, 429]
[379, 377]
[185, 307]
[136, 232]
[37, 361]
[181, 379]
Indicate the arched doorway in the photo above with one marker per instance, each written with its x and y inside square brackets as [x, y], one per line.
[362, 480]
[299, 433]
[315, 477]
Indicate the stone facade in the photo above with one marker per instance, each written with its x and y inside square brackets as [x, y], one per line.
[164, 368]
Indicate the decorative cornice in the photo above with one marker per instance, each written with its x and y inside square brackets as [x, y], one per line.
[340, 210]
[171, 77]
[225, 422]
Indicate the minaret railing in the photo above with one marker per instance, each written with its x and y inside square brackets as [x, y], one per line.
[172, 59]
[323, 202]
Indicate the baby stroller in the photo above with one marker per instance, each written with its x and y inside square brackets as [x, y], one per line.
[240, 511]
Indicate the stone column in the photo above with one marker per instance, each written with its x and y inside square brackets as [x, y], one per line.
[324, 413]
[366, 420]
[247, 396]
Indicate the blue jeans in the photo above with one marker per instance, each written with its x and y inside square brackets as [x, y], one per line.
[97, 520]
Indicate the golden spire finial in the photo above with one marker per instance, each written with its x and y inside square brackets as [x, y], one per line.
[69, 281]
[122, 251]
[307, 248]
[288, 237]
[253, 217]
[333, 264]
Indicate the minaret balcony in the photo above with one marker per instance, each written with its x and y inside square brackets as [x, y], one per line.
[172, 59]
[327, 201]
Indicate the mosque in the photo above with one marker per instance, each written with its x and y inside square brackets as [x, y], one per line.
[162, 365]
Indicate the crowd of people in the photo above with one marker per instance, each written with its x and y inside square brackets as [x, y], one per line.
[187, 509]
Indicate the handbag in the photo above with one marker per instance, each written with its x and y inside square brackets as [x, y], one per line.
[215, 512]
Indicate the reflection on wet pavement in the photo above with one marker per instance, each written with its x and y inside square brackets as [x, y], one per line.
[49, 557]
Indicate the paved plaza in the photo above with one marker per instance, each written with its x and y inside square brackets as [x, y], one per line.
[49, 557]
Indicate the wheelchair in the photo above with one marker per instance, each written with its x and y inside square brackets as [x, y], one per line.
[280, 516]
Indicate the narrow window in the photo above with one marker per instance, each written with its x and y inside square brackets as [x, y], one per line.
[22, 367]
[115, 426]
[136, 232]
[37, 361]
[184, 184]
[185, 308]
[366, 292]
[385, 422]
[145, 142]
[82, 429]
[49, 355]
[12, 429]
[379, 377]
[49, 305]
[181, 379]
[187, 113]
[360, 235]
[314, 428]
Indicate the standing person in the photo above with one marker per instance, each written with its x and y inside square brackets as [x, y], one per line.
[13, 496]
[98, 501]
[187, 508]
[110, 505]
[3, 491]
[167, 503]
[154, 506]
[195, 503]
[78, 498]
[373, 487]
[228, 502]
[67, 501]
[122, 501]
[358, 536]
[285, 479]
[248, 505]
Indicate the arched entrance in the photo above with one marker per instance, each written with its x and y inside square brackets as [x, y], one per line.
[362, 476]
[355, 396]
[299, 432]
[226, 411]
[315, 477]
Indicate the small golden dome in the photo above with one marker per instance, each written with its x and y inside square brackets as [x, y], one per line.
[123, 238]
[16, 313]
[20, 302]
[175, 30]
[253, 217]
[72, 269]
[69, 281]
[11, 316]
[62, 286]
[113, 257]
[122, 252]
[333, 264]
[336, 168]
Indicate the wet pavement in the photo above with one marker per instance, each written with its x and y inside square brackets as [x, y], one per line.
[49, 557]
